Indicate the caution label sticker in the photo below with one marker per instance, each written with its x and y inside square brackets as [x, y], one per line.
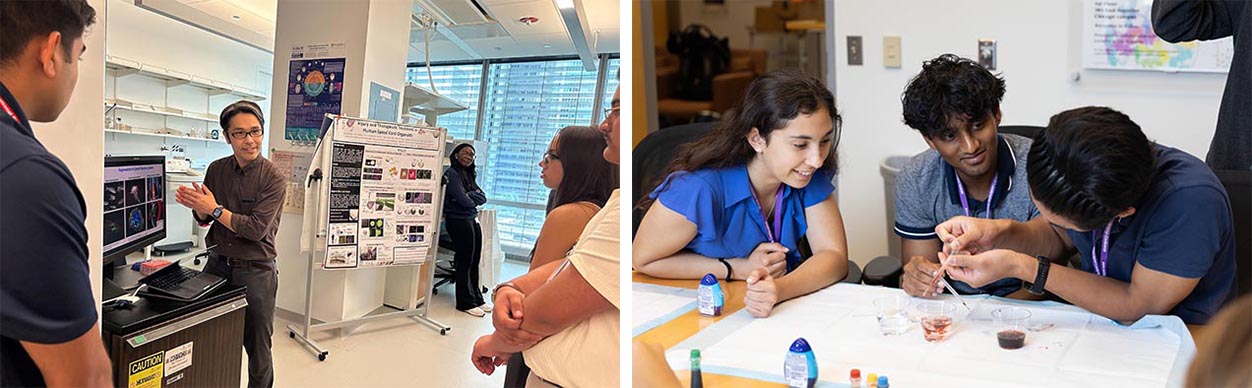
[147, 372]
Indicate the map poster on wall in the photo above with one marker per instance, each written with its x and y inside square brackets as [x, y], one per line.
[314, 88]
[1118, 35]
[382, 189]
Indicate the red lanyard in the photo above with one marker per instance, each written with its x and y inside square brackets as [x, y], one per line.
[5, 104]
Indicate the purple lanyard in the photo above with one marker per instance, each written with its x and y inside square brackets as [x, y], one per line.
[1101, 262]
[770, 234]
[960, 188]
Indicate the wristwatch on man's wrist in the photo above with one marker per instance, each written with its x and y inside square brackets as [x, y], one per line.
[1041, 276]
[217, 213]
[496, 291]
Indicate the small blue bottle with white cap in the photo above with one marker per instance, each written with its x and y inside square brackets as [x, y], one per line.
[800, 369]
[709, 297]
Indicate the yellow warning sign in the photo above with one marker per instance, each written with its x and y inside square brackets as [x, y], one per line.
[147, 372]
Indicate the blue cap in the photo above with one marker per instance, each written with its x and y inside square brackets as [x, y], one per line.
[800, 346]
[708, 280]
[882, 381]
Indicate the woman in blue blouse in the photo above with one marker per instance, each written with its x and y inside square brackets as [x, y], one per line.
[736, 202]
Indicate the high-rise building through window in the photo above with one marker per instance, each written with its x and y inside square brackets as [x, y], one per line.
[524, 103]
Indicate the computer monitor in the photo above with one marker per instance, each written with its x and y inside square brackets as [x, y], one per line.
[134, 205]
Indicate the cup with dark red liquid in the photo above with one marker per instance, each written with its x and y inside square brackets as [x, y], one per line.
[1011, 324]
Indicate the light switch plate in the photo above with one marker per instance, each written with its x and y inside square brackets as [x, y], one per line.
[854, 51]
[891, 51]
[987, 53]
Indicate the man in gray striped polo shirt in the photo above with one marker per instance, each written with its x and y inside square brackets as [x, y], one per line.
[969, 170]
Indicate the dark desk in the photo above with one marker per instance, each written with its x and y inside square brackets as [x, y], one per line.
[164, 343]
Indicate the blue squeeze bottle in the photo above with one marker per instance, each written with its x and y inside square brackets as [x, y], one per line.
[800, 369]
[709, 297]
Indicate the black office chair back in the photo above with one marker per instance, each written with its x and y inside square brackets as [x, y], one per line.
[1028, 131]
[1238, 185]
[653, 155]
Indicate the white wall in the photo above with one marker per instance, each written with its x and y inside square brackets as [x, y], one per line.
[76, 137]
[376, 35]
[140, 35]
[1039, 49]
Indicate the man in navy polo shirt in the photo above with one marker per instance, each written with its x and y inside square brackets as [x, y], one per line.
[969, 170]
[1152, 223]
[49, 333]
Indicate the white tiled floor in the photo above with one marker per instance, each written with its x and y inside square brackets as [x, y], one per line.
[392, 353]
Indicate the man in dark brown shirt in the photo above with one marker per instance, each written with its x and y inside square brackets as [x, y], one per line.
[243, 195]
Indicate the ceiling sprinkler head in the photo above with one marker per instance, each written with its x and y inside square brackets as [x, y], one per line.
[528, 20]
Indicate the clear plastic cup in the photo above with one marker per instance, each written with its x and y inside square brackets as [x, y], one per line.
[937, 320]
[1011, 324]
[892, 312]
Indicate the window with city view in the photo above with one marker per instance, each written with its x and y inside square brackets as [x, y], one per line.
[525, 103]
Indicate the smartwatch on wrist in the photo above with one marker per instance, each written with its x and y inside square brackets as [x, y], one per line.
[217, 213]
[1041, 276]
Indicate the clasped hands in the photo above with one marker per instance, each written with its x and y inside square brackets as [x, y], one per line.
[494, 349]
[197, 198]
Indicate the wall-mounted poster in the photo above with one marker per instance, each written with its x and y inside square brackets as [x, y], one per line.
[314, 88]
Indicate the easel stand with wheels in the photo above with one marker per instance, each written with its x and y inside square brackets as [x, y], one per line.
[374, 201]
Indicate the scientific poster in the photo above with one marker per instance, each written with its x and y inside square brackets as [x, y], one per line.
[295, 167]
[381, 197]
[314, 88]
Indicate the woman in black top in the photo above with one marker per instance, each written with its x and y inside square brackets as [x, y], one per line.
[462, 197]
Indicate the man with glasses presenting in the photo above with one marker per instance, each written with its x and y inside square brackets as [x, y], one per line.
[243, 196]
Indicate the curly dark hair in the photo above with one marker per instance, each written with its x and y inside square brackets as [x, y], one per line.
[950, 87]
[1090, 164]
[21, 21]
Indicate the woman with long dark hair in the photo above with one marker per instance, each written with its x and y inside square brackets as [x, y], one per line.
[737, 202]
[581, 180]
[461, 200]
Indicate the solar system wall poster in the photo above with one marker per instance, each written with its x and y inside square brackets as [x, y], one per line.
[314, 88]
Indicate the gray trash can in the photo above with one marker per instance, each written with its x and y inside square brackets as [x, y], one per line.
[890, 168]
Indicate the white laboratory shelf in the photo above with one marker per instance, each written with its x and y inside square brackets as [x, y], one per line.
[122, 67]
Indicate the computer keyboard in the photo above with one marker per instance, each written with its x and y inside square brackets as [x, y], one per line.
[171, 280]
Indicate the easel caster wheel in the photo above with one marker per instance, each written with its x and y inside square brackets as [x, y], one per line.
[197, 261]
[435, 291]
[291, 334]
[443, 331]
[321, 356]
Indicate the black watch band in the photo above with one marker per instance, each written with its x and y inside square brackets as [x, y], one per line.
[729, 271]
[1041, 276]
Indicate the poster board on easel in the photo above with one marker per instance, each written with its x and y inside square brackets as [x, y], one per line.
[373, 200]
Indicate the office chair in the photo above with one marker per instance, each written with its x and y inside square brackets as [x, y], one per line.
[445, 272]
[653, 155]
[1238, 185]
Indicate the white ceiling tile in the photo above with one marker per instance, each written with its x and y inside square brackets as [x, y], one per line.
[549, 19]
[266, 9]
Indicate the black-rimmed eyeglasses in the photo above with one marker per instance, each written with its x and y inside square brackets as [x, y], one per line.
[252, 133]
